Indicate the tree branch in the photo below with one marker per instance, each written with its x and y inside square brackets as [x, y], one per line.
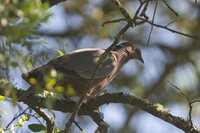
[23, 112]
[154, 14]
[49, 121]
[155, 109]
[64, 105]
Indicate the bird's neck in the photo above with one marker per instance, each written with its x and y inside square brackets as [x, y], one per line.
[122, 56]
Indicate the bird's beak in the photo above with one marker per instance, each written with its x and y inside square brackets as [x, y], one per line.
[140, 59]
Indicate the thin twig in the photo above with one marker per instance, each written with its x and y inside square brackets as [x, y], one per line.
[189, 103]
[154, 14]
[124, 19]
[16, 118]
[113, 21]
[76, 123]
[180, 91]
[169, 29]
[143, 13]
[170, 8]
[170, 23]
[195, 101]
[137, 13]
[123, 11]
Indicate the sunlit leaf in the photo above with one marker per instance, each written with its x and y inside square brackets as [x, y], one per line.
[19, 124]
[25, 118]
[60, 52]
[50, 84]
[2, 98]
[83, 131]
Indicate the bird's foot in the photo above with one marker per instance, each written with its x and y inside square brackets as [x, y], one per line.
[100, 113]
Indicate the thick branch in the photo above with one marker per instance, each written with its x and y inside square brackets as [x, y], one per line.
[50, 122]
[64, 105]
[155, 109]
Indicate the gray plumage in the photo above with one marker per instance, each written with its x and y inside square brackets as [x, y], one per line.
[83, 62]
[75, 69]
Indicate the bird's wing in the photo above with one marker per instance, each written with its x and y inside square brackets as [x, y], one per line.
[83, 62]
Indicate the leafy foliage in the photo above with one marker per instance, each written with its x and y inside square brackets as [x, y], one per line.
[17, 16]
[21, 122]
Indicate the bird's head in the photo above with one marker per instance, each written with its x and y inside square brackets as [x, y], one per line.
[131, 49]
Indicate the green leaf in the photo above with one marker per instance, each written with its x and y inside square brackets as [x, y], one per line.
[36, 127]
[19, 124]
[60, 52]
[83, 131]
[14, 64]
[25, 118]
[2, 98]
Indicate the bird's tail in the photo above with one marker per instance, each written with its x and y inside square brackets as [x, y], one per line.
[36, 73]
[33, 78]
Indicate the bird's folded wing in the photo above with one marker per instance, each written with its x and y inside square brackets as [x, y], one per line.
[83, 63]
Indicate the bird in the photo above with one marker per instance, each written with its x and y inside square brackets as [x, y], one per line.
[70, 73]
